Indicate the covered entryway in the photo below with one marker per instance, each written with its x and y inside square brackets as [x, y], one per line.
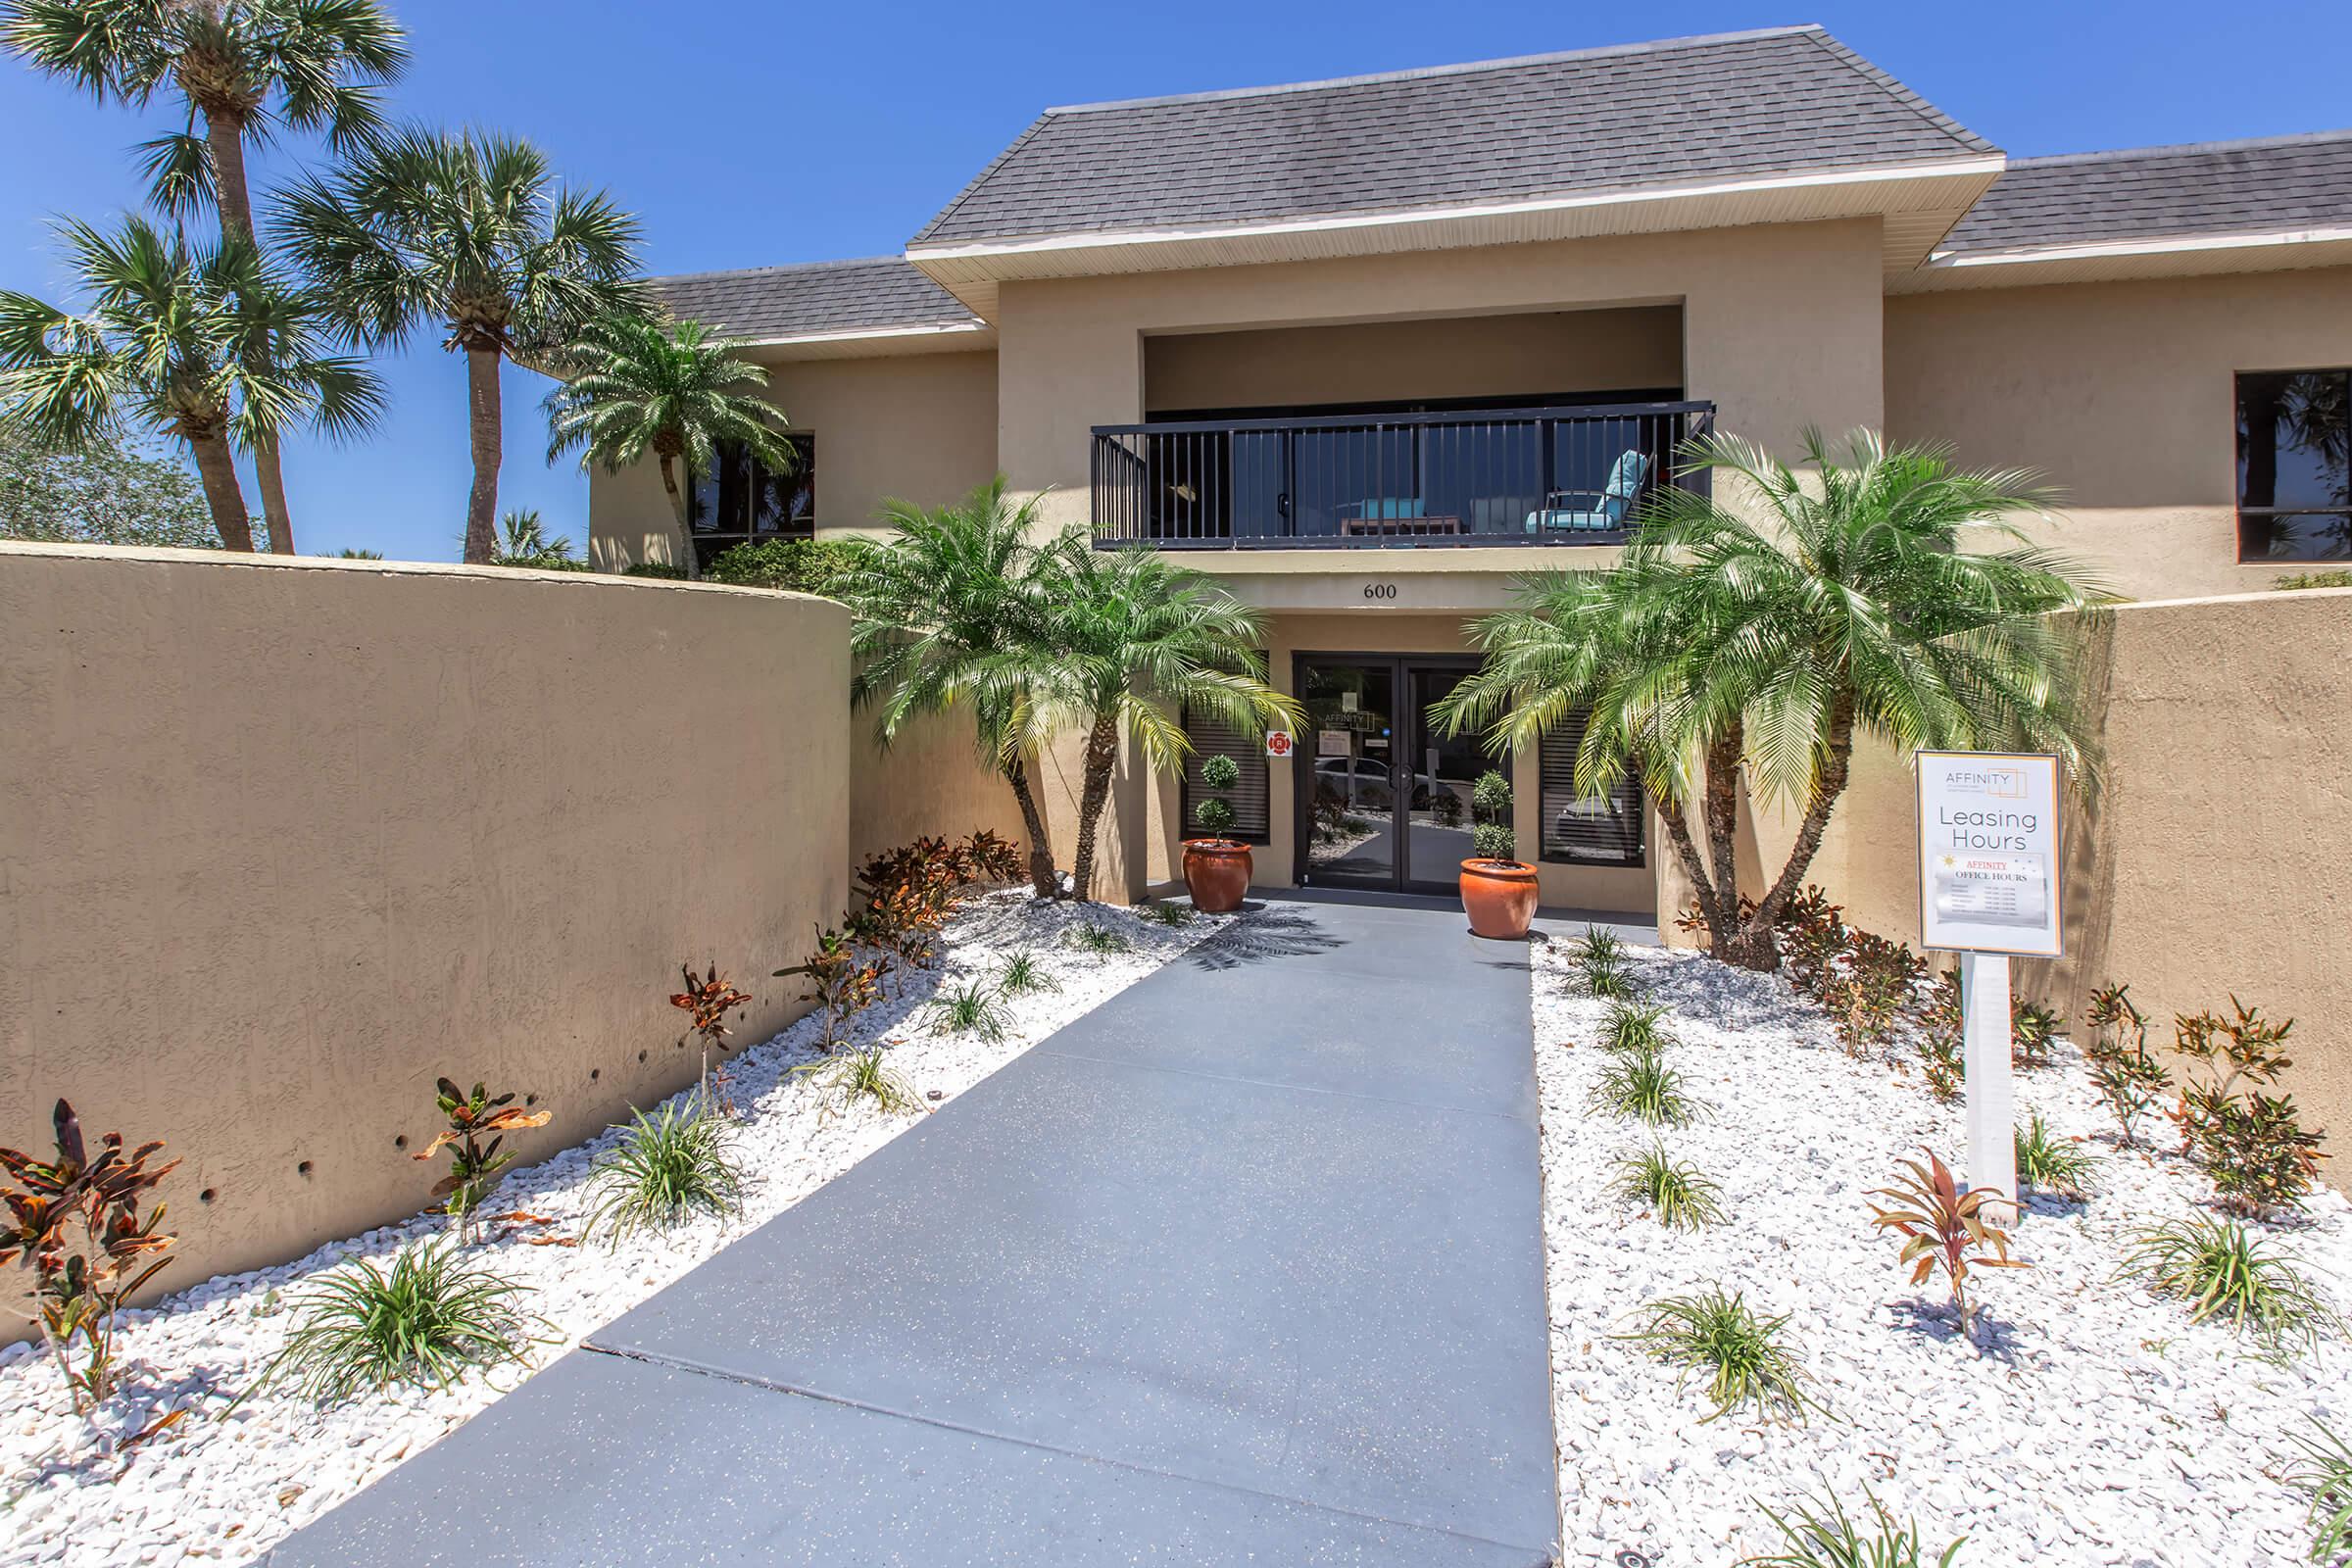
[1384, 792]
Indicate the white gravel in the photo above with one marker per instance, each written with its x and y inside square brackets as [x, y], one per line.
[2098, 1426]
[214, 1489]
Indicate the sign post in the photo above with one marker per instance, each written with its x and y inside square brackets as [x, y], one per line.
[1989, 889]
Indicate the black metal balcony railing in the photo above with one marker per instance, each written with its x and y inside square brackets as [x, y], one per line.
[1506, 477]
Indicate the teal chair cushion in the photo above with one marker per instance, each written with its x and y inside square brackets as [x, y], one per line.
[1616, 497]
[1389, 508]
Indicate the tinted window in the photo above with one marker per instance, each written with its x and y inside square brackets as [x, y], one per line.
[2294, 465]
[743, 500]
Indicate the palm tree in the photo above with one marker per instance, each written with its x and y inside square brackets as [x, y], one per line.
[1719, 648]
[1135, 639]
[465, 231]
[243, 68]
[634, 386]
[950, 611]
[208, 346]
[522, 541]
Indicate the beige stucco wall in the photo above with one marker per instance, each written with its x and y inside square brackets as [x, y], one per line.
[1538, 354]
[917, 427]
[2211, 863]
[283, 841]
[2123, 394]
[1781, 328]
[929, 781]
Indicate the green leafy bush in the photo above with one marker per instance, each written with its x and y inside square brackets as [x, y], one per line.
[1824, 1537]
[474, 1166]
[666, 1169]
[1675, 1191]
[2252, 1146]
[2130, 1080]
[664, 570]
[1219, 773]
[2336, 577]
[801, 566]
[427, 1320]
[2031, 1028]
[1741, 1354]
[1942, 1060]
[1490, 797]
[1493, 841]
[2224, 1271]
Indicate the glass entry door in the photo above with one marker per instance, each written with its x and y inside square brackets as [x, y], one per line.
[1383, 794]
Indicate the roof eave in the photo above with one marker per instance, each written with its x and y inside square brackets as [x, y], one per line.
[2103, 260]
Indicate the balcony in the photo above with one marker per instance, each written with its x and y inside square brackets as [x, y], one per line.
[1490, 477]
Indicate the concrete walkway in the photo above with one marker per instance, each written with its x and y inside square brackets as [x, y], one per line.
[1246, 1266]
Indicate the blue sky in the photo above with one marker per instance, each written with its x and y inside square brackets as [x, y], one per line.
[746, 134]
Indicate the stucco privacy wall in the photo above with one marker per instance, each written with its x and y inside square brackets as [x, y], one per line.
[284, 841]
[918, 428]
[2211, 863]
[929, 780]
[2123, 394]
[1781, 327]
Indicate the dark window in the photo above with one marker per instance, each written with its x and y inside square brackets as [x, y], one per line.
[1579, 829]
[1213, 736]
[743, 500]
[2294, 465]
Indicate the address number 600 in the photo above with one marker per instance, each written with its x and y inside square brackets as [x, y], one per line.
[1379, 590]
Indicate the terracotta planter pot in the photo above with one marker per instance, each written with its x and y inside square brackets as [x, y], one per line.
[1217, 870]
[1500, 897]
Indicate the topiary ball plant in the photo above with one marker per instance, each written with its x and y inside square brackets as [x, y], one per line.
[1491, 841]
[1218, 774]
[1217, 868]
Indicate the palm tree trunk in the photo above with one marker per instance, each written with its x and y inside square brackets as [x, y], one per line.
[1042, 881]
[482, 407]
[224, 144]
[1719, 808]
[1836, 768]
[217, 471]
[1102, 755]
[677, 504]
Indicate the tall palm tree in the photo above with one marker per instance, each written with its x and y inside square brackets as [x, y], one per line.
[467, 231]
[1721, 648]
[207, 345]
[244, 67]
[634, 386]
[1135, 639]
[950, 611]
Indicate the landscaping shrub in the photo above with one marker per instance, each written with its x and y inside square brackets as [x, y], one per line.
[1023, 974]
[1631, 1027]
[970, 1010]
[864, 1075]
[1639, 1086]
[1493, 838]
[2324, 1477]
[666, 1169]
[841, 987]
[74, 1222]
[1600, 962]
[2130, 1080]
[2049, 1163]
[1219, 773]
[655, 569]
[707, 1002]
[1812, 938]
[428, 1320]
[1100, 941]
[2224, 1271]
[1866, 988]
[2031, 1028]
[474, 1166]
[801, 566]
[1943, 1061]
[2336, 577]
[1943, 1228]
[1168, 914]
[1676, 1192]
[2251, 1144]
[1826, 1538]
[1746, 1366]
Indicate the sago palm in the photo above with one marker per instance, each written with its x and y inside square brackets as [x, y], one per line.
[1136, 639]
[243, 69]
[950, 611]
[1890, 594]
[635, 388]
[468, 232]
[207, 346]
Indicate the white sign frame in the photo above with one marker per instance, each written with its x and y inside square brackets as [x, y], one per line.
[2023, 825]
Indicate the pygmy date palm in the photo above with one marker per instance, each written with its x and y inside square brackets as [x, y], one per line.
[467, 231]
[1135, 640]
[243, 68]
[207, 346]
[1891, 593]
[635, 388]
[950, 611]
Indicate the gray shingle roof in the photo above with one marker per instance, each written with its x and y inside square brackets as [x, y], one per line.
[877, 293]
[2208, 188]
[1601, 120]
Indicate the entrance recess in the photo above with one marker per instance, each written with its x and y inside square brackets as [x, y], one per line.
[1384, 797]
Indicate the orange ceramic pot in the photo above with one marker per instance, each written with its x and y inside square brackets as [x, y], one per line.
[1500, 897]
[1217, 871]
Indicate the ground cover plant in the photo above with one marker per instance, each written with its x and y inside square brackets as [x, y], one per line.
[2033, 1027]
[840, 986]
[2132, 1082]
[1943, 1229]
[666, 1169]
[429, 1319]
[73, 1221]
[1633, 1027]
[474, 1166]
[971, 1008]
[1824, 1535]
[1640, 1085]
[865, 1075]
[2224, 1272]
[1717, 1336]
[2324, 1476]
[2252, 1144]
[2049, 1163]
[1675, 1191]
[1600, 962]
[1023, 975]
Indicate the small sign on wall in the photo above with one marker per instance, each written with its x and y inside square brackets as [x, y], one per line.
[1279, 743]
[1988, 854]
[1334, 743]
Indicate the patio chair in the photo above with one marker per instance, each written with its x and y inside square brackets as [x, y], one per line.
[1609, 506]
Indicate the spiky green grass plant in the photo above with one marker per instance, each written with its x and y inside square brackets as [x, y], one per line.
[1599, 960]
[1100, 941]
[2324, 1475]
[2049, 1163]
[429, 1319]
[1718, 1336]
[864, 1075]
[1826, 1536]
[1168, 914]
[970, 1008]
[667, 1168]
[1639, 1086]
[2225, 1272]
[1674, 1191]
[1024, 976]
[1630, 1026]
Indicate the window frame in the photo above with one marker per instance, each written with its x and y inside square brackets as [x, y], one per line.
[2243, 514]
[1638, 858]
[718, 543]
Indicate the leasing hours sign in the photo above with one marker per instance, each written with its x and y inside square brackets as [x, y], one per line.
[1988, 852]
